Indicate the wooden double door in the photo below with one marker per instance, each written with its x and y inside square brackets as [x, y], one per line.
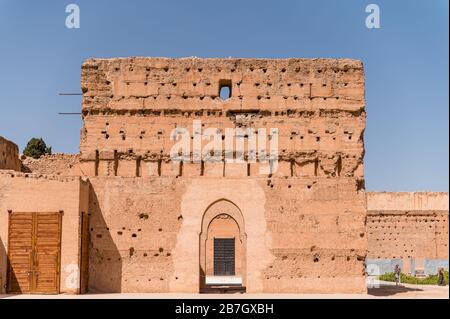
[224, 257]
[34, 253]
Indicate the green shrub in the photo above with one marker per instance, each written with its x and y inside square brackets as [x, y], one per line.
[36, 147]
[407, 279]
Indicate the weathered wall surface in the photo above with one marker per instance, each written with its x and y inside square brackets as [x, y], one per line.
[130, 106]
[55, 164]
[20, 192]
[407, 201]
[318, 235]
[9, 155]
[134, 225]
[293, 218]
[144, 241]
[410, 229]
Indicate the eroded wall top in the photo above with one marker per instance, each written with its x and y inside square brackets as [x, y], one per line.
[404, 201]
[9, 155]
[194, 84]
[131, 105]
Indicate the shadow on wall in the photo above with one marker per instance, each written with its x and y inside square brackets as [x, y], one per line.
[3, 265]
[18, 280]
[105, 261]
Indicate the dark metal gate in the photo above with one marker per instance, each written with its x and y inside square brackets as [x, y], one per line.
[224, 253]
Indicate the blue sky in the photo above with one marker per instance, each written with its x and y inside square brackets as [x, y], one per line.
[406, 65]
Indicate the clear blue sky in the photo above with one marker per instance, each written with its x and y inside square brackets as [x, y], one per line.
[406, 64]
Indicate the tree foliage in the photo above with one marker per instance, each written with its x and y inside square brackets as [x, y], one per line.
[36, 147]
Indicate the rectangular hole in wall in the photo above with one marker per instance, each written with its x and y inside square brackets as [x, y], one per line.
[292, 167]
[339, 166]
[138, 167]
[202, 168]
[97, 162]
[180, 171]
[116, 162]
[316, 166]
[225, 89]
[159, 167]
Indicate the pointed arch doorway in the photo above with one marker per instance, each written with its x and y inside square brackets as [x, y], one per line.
[222, 249]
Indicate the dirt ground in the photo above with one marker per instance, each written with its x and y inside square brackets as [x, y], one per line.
[385, 290]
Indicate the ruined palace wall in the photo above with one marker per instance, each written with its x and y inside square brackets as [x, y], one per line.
[145, 233]
[410, 229]
[133, 229]
[130, 106]
[21, 192]
[318, 235]
[304, 224]
[9, 155]
[54, 164]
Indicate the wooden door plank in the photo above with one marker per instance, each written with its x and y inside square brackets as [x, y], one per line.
[20, 246]
[47, 247]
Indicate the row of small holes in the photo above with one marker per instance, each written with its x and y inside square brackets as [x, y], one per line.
[257, 84]
[251, 69]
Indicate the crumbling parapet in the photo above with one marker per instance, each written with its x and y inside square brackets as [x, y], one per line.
[131, 105]
[9, 155]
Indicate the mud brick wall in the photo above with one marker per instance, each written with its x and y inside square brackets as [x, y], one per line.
[130, 106]
[9, 155]
[408, 228]
[318, 235]
[133, 230]
[145, 233]
[303, 227]
[28, 193]
[55, 164]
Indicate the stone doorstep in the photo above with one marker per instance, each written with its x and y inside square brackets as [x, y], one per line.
[223, 280]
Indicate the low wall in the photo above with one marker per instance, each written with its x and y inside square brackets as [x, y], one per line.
[409, 229]
[21, 192]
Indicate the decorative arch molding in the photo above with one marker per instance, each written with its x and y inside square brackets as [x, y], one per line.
[222, 207]
[226, 209]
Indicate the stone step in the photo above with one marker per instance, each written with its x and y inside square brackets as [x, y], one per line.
[223, 289]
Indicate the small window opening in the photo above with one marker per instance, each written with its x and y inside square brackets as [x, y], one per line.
[224, 89]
